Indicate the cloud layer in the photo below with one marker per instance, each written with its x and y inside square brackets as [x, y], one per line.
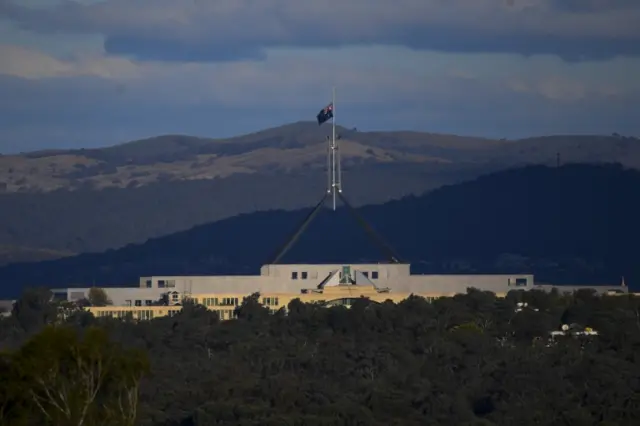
[101, 99]
[222, 30]
[96, 72]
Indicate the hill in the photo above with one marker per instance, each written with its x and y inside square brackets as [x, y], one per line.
[293, 147]
[298, 146]
[12, 254]
[91, 200]
[573, 224]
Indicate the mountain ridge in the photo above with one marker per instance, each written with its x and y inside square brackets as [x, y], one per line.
[292, 146]
[563, 224]
[108, 198]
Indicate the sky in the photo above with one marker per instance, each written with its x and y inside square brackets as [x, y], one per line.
[89, 73]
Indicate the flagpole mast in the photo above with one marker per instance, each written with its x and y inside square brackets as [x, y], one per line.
[339, 175]
[333, 148]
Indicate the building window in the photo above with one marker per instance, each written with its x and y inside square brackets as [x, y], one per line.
[170, 283]
[303, 275]
[138, 302]
[521, 282]
[229, 301]
[148, 302]
[294, 275]
[127, 303]
[148, 283]
[160, 283]
[374, 275]
[366, 274]
[270, 301]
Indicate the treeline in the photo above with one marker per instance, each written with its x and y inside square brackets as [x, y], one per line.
[472, 359]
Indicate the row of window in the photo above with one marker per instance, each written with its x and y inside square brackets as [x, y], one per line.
[166, 283]
[206, 301]
[304, 275]
[138, 302]
[270, 301]
[146, 314]
[161, 283]
[223, 314]
[233, 301]
[215, 301]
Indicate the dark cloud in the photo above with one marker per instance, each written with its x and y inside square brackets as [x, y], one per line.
[569, 49]
[190, 30]
[591, 6]
[161, 49]
[89, 111]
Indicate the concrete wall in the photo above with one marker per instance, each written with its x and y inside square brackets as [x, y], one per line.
[385, 271]
[276, 278]
[228, 284]
[6, 306]
[600, 289]
[118, 295]
[447, 284]
[124, 296]
[279, 279]
[70, 294]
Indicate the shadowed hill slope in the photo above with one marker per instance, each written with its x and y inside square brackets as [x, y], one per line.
[573, 224]
[90, 200]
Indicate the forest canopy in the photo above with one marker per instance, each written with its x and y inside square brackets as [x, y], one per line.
[472, 359]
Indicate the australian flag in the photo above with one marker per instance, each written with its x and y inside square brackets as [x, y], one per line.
[325, 114]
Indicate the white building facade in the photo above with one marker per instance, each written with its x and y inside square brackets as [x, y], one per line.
[296, 278]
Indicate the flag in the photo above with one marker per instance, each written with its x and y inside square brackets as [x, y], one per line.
[325, 114]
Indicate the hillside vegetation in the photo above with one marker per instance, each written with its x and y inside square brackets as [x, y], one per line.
[472, 359]
[92, 200]
[298, 146]
[12, 254]
[575, 224]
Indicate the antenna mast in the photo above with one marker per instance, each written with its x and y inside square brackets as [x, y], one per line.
[334, 172]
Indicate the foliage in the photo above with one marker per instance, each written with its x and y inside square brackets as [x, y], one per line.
[59, 378]
[98, 297]
[34, 309]
[472, 359]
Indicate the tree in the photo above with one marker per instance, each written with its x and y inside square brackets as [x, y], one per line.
[34, 309]
[78, 380]
[162, 301]
[13, 405]
[251, 309]
[98, 297]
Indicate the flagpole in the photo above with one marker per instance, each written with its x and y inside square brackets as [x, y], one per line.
[333, 147]
[339, 176]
